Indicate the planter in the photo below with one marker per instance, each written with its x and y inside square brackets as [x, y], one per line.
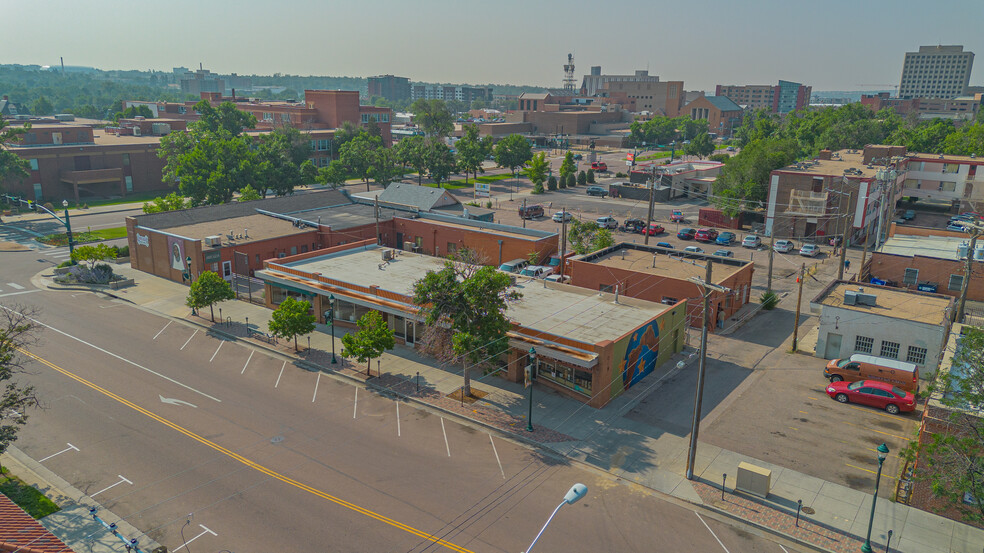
[61, 270]
[117, 284]
[121, 260]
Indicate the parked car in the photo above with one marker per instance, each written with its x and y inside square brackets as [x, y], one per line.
[876, 394]
[864, 367]
[784, 246]
[686, 234]
[558, 278]
[514, 266]
[676, 216]
[706, 235]
[554, 263]
[654, 229]
[909, 215]
[535, 271]
[578, 157]
[596, 191]
[530, 211]
[634, 225]
[751, 241]
[664, 245]
[562, 216]
[693, 249]
[730, 148]
[607, 222]
[726, 238]
[599, 165]
[956, 227]
[724, 253]
[810, 250]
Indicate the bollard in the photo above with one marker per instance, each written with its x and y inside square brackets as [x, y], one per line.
[418, 382]
[378, 372]
[309, 343]
[220, 315]
[724, 483]
[888, 542]
[799, 505]
[247, 327]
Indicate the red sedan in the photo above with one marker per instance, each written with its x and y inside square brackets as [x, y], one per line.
[873, 393]
[706, 235]
[654, 229]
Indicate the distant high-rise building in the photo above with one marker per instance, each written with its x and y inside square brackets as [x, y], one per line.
[936, 72]
[467, 94]
[785, 97]
[200, 81]
[390, 87]
[594, 82]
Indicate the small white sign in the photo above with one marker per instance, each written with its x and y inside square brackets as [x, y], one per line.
[143, 240]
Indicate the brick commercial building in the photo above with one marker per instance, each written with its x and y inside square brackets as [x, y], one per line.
[589, 346]
[663, 275]
[722, 115]
[661, 97]
[390, 87]
[932, 263]
[961, 107]
[782, 98]
[75, 162]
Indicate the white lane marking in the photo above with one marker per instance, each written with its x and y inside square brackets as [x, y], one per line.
[172, 401]
[397, 419]
[15, 286]
[316, 382]
[206, 531]
[18, 293]
[497, 457]
[247, 362]
[281, 374]
[189, 339]
[162, 330]
[355, 407]
[712, 532]
[111, 354]
[216, 351]
[446, 444]
[121, 480]
[783, 548]
[69, 448]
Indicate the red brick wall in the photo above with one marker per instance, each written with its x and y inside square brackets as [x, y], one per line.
[892, 267]
[334, 106]
[436, 238]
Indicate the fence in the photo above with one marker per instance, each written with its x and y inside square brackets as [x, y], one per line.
[248, 289]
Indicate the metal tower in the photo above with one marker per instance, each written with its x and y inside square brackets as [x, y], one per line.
[569, 75]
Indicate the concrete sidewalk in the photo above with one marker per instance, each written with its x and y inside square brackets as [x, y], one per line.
[601, 438]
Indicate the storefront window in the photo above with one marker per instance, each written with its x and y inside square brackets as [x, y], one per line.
[567, 376]
[280, 294]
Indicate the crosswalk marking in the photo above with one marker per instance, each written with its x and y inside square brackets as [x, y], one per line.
[15, 286]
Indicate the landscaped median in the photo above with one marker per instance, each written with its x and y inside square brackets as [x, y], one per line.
[26, 497]
[61, 239]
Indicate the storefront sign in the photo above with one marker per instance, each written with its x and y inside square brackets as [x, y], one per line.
[143, 239]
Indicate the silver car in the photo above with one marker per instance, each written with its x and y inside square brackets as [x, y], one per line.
[751, 241]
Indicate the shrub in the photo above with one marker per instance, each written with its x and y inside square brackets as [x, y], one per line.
[582, 178]
[721, 158]
[49, 206]
[552, 183]
[65, 264]
[488, 204]
[591, 177]
[620, 175]
[571, 181]
[538, 188]
[769, 300]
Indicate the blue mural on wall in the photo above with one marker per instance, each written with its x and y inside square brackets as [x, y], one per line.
[640, 354]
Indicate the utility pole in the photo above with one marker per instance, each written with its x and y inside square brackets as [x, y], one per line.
[523, 217]
[376, 211]
[975, 234]
[706, 287]
[563, 242]
[799, 299]
[844, 239]
[772, 253]
[649, 216]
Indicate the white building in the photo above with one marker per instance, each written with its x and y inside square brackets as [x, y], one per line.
[957, 179]
[882, 321]
[936, 72]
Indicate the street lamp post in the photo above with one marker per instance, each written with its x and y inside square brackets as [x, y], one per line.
[529, 384]
[576, 492]
[330, 318]
[68, 231]
[882, 454]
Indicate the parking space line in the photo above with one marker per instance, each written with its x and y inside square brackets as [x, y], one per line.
[216, 351]
[878, 431]
[247, 362]
[281, 374]
[783, 548]
[69, 448]
[189, 339]
[871, 471]
[497, 457]
[316, 382]
[355, 406]
[162, 330]
[804, 412]
[813, 398]
[446, 444]
[120, 481]
[204, 531]
[712, 532]
[794, 428]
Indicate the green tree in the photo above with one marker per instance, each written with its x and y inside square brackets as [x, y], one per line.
[440, 161]
[171, 202]
[513, 152]
[743, 180]
[41, 106]
[567, 167]
[968, 140]
[17, 332]
[384, 166]
[343, 134]
[373, 338]
[92, 254]
[471, 304]
[207, 290]
[358, 155]
[582, 179]
[290, 319]
[433, 116]
[590, 176]
[11, 164]
[471, 152]
[586, 236]
[225, 120]
[536, 170]
[248, 194]
[952, 461]
[333, 175]
[412, 152]
[700, 146]
[551, 183]
[279, 159]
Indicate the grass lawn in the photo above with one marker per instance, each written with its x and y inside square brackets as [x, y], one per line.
[61, 239]
[28, 498]
[487, 179]
[132, 198]
[453, 185]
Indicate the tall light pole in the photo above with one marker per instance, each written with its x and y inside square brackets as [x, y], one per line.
[529, 384]
[576, 492]
[68, 229]
[882, 454]
[330, 319]
[706, 288]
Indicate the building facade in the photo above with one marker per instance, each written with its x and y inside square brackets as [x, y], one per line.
[959, 108]
[935, 263]
[390, 87]
[956, 179]
[467, 94]
[722, 115]
[936, 72]
[785, 97]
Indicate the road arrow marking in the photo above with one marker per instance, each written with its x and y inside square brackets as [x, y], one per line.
[176, 401]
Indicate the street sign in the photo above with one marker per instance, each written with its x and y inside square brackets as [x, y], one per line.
[482, 190]
[630, 156]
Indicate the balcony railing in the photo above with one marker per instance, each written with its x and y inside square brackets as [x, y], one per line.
[807, 203]
[92, 176]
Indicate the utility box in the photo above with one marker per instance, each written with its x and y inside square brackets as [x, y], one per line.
[753, 479]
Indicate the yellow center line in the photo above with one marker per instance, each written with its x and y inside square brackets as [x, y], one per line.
[260, 468]
[871, 471]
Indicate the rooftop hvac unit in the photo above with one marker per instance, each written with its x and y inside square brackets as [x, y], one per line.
[866, 299]
[979, 254]
[136, 131]
[850, 297]
[512, 280]
[214, 241]
[387, 255]
[962, 250]
[408, 246]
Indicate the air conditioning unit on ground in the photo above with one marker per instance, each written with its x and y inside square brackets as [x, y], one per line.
[408, 246]
[214, 241]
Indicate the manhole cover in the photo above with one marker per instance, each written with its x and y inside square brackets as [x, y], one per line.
[276, 439]
[808, 511]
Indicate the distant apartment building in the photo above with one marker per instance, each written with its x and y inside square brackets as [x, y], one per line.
[595, 81]
[390, 87]
[200, 81]
[936, 72]
[467, 94]
[956, 179]
[961, 107]
[722, 115]
[785, 97]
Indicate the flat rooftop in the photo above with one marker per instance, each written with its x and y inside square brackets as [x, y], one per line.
[897, 303]
[672, 263]
[103, 137]
[257, 227]
[344, 216]
[569, 311]
[939, 247]
[835, 167]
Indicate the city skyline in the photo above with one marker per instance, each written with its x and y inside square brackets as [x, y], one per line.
[518, 43]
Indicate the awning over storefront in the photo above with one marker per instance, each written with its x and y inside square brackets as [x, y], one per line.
[565, 354]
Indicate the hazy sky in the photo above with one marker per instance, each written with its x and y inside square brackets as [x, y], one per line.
[830, 44]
